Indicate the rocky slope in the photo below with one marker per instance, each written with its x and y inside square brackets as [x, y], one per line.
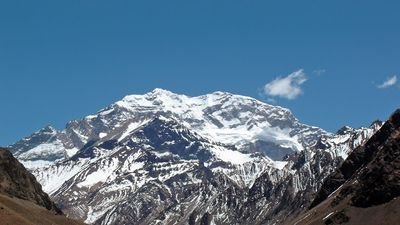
[16, 181]
[365, 188]
[164, 158]
[22, 200]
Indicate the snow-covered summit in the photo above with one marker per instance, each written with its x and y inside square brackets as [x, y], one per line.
[228, 118]
[221, 116]
[180, 103]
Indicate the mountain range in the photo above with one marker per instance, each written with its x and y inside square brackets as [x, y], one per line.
[166, 158]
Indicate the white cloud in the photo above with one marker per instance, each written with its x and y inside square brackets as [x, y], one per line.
[286, 87]
[388, 82]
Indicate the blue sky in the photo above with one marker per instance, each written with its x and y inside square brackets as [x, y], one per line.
[61, 60]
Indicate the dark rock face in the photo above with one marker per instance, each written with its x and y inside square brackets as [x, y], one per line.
[380, 179]
[373, 168]
[16, 181]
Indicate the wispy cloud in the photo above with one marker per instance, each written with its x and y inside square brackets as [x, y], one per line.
[390, 81]
[286, 87]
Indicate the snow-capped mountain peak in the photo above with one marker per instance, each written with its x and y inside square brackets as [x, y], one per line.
[187, 157]
[220, 116]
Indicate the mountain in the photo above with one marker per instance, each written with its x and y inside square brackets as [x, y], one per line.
[220, 116]
[22, 200]
[366, 187]
[165, 158]
[161, 161]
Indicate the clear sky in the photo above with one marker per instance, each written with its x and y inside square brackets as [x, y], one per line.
[325, 60]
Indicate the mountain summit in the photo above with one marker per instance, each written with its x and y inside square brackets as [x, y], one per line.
[224, 117]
